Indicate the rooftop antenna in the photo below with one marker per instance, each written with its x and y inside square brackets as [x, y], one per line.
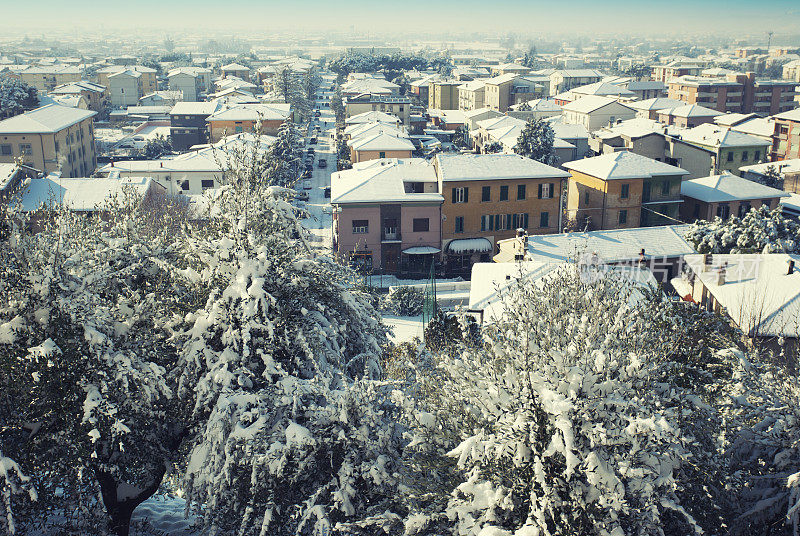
[769, 39]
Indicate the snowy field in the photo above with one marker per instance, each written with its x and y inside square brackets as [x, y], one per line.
[404, 328]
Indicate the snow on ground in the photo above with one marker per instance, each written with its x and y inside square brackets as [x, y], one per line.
[405, 328]
[165, 514]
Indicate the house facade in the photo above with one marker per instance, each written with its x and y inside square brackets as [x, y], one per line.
[51, 138]
[622, 190]
[786, 137]
[725, 196]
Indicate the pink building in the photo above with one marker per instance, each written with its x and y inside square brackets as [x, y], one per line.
[388, 215]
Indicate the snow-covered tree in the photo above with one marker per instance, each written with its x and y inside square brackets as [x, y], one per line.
[536, 142]
[289, 85]
[87, 406]
[461, 137]
[16, 97]
[760, 230]
[565, 423]
[284, 156]
[493, 147]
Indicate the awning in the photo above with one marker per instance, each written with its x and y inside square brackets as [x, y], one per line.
[464, 246]
[421, 250]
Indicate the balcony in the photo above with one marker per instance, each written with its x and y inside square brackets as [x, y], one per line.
[390, 234]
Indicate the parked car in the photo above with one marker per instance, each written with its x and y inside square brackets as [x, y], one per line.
[322, 163]
[312, 141]
[327, 192]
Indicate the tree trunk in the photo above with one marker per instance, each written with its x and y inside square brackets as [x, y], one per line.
[120, 510]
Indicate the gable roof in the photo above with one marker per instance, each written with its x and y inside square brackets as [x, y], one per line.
[658, 103]
[252, 112]
[602, 88]
[477, 167]
[691, 110]
[623, 165]
[383, 180]
[234, 67]
[47, 119]
[382, 141]
[592, 103]
[82, 194]
[371, 117]
[712, 135]
[727, 187]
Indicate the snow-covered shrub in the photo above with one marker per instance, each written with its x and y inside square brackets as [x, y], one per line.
[442, 331]
[404, 301]
[565, 424]
[760, 230]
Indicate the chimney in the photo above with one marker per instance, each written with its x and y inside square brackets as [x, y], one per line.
[721, 274]
[791, 267]
[706, 261]
[161, 164]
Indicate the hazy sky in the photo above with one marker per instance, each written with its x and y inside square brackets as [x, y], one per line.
[535, 16]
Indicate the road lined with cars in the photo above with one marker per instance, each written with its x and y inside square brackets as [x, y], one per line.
[313, 190]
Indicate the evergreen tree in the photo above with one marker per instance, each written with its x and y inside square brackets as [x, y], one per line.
[461, 137]
[760, 230]
[536, 142]
[16, 97]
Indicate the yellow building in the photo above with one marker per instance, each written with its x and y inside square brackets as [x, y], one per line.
[443, 94]
[51, 138]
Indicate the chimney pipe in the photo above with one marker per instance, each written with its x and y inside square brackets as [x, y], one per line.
[161, 164]
[791, 267]
[706, 261]
[721, 274]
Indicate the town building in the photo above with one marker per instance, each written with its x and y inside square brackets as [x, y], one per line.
[444, 94]
[623, 190]
[471, 95]
[724, 196]
[96, 95]
[52, 138]
[193, 82]
[731, 149]
[240, 118]
[687, 115]
[387, 215]
[786, 136]
[126, 84]
[398, 106]
[235, 70]
[488, 197]
[46, 78]
[595, 112]
[737, 92]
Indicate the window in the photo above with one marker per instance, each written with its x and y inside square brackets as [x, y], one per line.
[56, 145]
[730, 156]
[520, 192]
[520, 221]
[360, 226]
[461, 195]
[623, 217]
[624, 191]
[459, 224]
[421, 225]
[185, 185]
[723, 211]
[757, 156]
[586, 197]
[665, 188]
[238, 129]
[546, 191]
[25, 149]
[744, 156]
[544, 219]
[485, 222]
[486, 193]
[207, 183]
[744, 208]
[382, 154]
[504, 193]
[5, 149]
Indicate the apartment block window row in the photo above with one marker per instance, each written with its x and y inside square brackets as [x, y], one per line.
[360, 226]
[547, 190]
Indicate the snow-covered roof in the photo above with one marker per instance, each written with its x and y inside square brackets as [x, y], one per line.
[234, 67]
[691, 110]
[469, 245]
[711, 135]
[623, 165]
[371, 117]
[727, 187]
[382, 141]
[365, 130]
[602, 88]
[591, 103]
[120, 68]
[762, 127]
[7, 172]
[478, 167]
[731, 119]
[491, 282]
[781, 166]
[370, 85]
[78, 87]
[658, 103]
[79, 194]
[252, 112]
[540, 105]
[567, 131]
[500, 122]
[383, 181]
[637, 127]
[643, 85]
[791, 115]
[612, 246]
[501, 79]
[195, 108]
[47, 119]
[758, 293]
